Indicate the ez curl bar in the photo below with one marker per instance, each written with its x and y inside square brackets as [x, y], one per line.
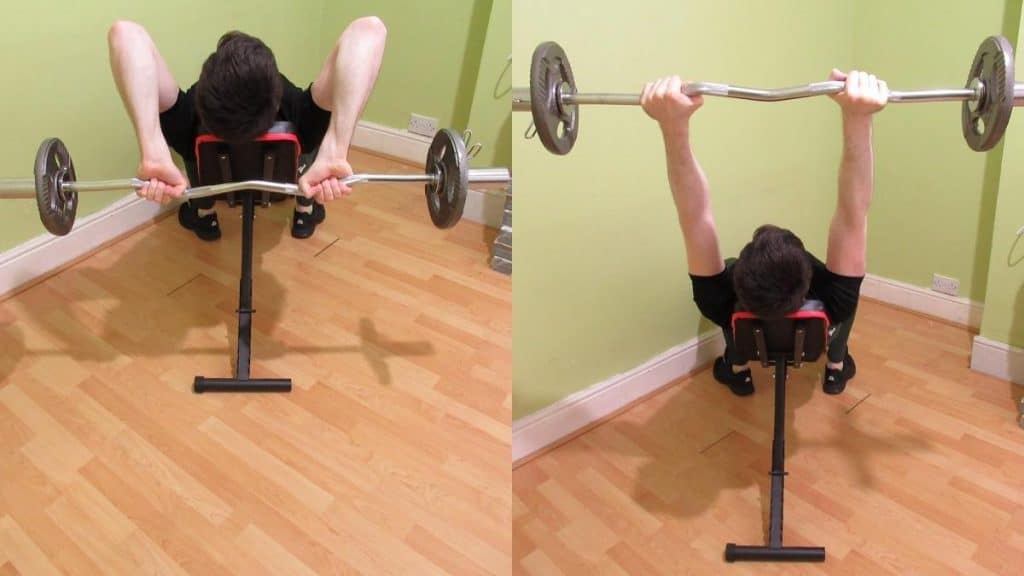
[988, 97]
[446, 179]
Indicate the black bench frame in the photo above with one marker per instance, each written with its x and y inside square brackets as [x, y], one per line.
[275, 157]
[789, 341]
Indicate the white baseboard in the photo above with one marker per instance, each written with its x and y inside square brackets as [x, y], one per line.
[998, 359]
[537, 431]
[391, 141]
[45, 254]
[482, 206]
[485, 207]
[961, 311]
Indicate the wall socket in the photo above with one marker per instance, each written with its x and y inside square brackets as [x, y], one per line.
[945, 285]
[423, 125]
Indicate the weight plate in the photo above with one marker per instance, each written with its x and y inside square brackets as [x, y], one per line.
[985, 121]
[550, 76]
[57, 206]
[446, 197]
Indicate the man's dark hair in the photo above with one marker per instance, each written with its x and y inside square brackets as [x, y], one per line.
[772, 274]
[239, 88]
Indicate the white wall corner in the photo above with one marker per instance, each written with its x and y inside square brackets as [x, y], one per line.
[533, 433]
[998, 359]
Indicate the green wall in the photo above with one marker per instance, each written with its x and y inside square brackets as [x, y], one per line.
[53, 55]
[600, 284]
[445, 59]
[490, 118]
[935, 198]
[1003, 318]
[432, 58]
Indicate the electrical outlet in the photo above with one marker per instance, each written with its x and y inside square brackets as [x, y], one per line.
[945, 285]
[424, 125]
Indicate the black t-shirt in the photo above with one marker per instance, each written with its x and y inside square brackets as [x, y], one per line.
[180, 123]
[716, 297]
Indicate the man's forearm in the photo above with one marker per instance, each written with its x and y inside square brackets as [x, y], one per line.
[693, 203]
[357, 61]
[856, 169]
[685, 176]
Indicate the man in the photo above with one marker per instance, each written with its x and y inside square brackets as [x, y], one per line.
[238, 96]
[774, 274]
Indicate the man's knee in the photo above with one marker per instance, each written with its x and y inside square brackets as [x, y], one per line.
[368, 25]
[121, 29]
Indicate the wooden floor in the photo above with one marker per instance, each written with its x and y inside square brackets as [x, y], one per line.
[917, 469]
[391, 455]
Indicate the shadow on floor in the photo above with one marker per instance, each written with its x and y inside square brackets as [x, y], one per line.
[164, 292]
[702, 442]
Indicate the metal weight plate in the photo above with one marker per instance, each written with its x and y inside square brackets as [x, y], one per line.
[57, 206]
[447, 196]
[551, 75]
[985, 121]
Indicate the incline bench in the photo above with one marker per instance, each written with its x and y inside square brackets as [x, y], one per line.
[274, 157]
[789, 341]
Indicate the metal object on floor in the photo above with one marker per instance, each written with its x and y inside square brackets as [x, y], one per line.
[501, 256]
[988, 97]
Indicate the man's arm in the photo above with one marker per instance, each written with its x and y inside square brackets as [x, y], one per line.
[664, 101]
[343, 87]
[848, 234]
[147, 88]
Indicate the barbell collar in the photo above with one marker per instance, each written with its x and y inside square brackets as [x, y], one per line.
[17, 189]
[520, 99]
[489, 176]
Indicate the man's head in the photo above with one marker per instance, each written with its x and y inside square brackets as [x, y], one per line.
[239, 88]
[772, 274]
